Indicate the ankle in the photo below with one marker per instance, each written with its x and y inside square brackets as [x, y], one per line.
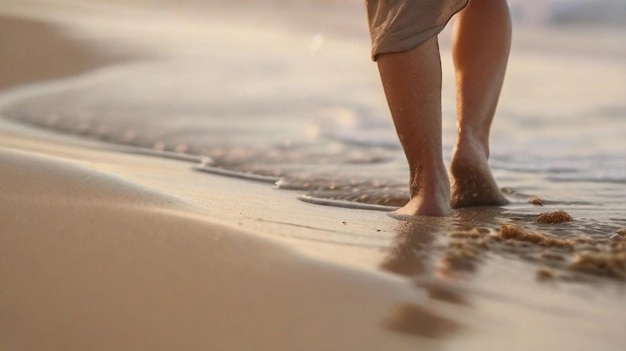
[430, 180]
[471, 141]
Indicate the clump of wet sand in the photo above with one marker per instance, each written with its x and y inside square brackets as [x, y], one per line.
[461, 256]
[553, 217]
[563, 258]
[545, 274]
[473, 233]
[514, 232]
[610, 263]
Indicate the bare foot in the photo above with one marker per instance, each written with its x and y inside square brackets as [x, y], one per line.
[418, 206]
[430, 194]
[472, 181]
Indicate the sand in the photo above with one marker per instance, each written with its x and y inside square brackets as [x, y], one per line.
[93, 261]
[109, 250]
[102, 248]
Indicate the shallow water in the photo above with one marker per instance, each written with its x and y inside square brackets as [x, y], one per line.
[295, 99]
[263, 92]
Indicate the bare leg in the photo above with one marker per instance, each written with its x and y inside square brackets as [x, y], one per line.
[412, 83]
[480, 52]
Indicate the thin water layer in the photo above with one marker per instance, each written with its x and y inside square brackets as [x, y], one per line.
[302, 105]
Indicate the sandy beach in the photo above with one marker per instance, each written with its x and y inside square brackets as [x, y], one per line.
[108, 250]
[111, 247]
[94, 261]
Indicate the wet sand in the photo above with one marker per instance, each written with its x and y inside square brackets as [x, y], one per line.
[104, 249]
[92, 260]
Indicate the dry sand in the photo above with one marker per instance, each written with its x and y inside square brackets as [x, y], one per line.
[41, 53]
[102, 249]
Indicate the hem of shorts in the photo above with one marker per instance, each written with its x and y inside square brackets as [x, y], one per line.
[403, 42]
[409, 38]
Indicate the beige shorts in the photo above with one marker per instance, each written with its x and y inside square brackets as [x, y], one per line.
[400, 25]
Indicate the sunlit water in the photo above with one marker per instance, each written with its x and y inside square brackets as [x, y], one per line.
[264, 94]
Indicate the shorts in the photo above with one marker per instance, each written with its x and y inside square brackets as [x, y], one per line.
[400, 25]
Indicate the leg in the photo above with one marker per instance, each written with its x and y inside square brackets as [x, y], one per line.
[412, 84]
[480, 51]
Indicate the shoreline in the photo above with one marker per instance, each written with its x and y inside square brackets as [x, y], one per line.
[128, 233]
[123, 251]
[101, 257]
